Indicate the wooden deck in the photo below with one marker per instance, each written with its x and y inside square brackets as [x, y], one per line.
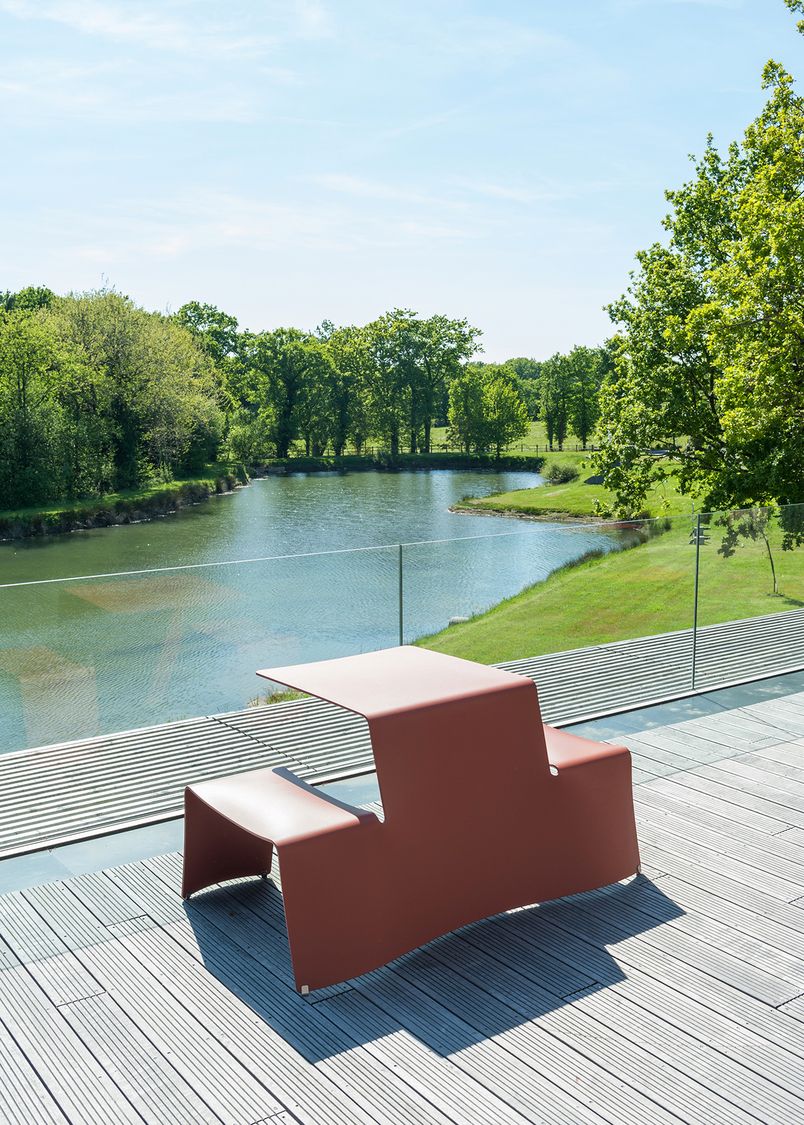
[678, 997]
[54, 794]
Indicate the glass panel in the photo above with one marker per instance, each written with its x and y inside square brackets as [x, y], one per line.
[751, 594]
[577, 585]
[100, 654]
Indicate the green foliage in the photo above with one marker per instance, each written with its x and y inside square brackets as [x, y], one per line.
[710, 350]
[569, 392]
[555, 389]
[98, 395]
[797, 6]
[559, 472]
[486, 409]
[28, 299]
[213, 330]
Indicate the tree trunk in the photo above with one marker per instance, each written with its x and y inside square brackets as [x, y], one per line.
[772, 565]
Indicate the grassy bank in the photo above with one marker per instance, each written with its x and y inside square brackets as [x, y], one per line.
[126, 506]
[576, 498]
[632, 593]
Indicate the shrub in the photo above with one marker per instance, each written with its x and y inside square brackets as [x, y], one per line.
[561, 474]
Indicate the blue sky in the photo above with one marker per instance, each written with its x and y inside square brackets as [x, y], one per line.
[291, 160]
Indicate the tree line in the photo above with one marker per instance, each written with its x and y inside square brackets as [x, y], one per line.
[98, 395]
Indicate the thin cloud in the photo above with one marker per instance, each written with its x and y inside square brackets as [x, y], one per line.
[361, 188]
[114, 92]
[141, 26]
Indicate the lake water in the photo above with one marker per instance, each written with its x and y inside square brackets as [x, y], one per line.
[98, 654]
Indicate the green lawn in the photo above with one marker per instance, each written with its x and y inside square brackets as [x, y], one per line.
[577, 498]
[633, 593]
[535, 441]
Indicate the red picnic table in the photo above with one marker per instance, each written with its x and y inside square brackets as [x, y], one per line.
[485, 809]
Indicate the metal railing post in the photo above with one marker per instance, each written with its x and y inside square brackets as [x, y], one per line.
[695, 597]
[401, 601]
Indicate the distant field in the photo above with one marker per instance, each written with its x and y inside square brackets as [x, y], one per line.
[534, 442]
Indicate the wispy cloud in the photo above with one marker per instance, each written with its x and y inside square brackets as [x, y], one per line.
[360, 188]
[127, 231]
[163, 27]
[117, 92]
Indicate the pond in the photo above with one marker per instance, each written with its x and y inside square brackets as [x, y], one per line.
[85, 655]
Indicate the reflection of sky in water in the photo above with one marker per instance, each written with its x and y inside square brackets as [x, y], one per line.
[115, 653]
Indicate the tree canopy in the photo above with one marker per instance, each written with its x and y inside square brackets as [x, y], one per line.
[486, 408]
[709, 355]
[96, 395]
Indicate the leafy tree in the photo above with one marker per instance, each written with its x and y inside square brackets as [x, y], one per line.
[711, 332]
[251, 435]
[159, 389]
[441, 346]
[555, 393]
[274, 366]
[529, 390]
[348, 349]
[30, 418]
[467, 418]
[390, 345]
[486, 409]
[505, 413]
[524, 368]
[215, 331]
[27, 300]
[317, 402]
[586, 367]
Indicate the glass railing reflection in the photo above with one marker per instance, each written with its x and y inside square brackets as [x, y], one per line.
[750, 604]
[85, 656]
[82, 656]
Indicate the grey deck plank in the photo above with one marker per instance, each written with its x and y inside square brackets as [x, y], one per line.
[154, 1087]
[24, 1098]
[81, 1087]
[772, 811]
[48, 958]
[635, 1048]
[271, 949]
[778, 860]
[203, 1060]
[773, 931]
[579, 931]
[332, 1089]
[719, 805]
[677, 807]
[707, 1047]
